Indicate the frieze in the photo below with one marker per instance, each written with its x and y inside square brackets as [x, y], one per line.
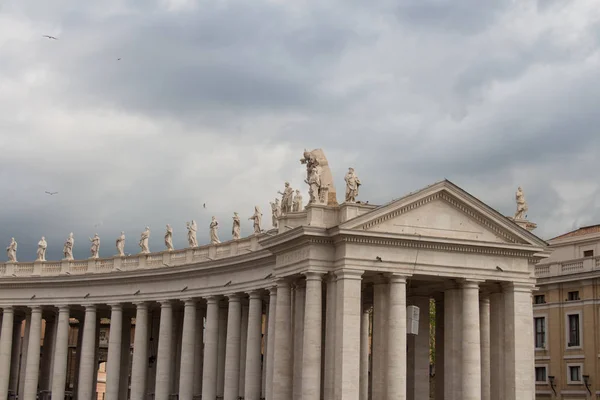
[293, 257]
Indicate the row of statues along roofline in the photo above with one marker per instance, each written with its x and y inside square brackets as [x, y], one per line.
[321, 191]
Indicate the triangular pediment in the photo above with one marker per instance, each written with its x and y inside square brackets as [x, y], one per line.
[443, 210]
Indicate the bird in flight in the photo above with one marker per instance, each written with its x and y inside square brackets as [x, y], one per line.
[51, 193]
[204, 205]
[118, 59]
[50, 37]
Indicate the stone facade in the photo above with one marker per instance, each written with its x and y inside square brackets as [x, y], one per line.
[287, 314]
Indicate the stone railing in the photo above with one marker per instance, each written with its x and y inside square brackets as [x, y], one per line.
[569, 267]
[163, 259]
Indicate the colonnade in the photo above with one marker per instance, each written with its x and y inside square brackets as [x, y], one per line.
[340, 336]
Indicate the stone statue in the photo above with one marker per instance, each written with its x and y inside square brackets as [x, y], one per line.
[95, 249]
[237, 228]
[214, 234]
[352, 185]
[287, 199]
[319, 178]
[521, 204]
[41, 251]
[257, 219]
[169, 238]
[121, 244]
[11, 250]
[297, 202]
[276, 212]
[192, 228]
[68, 247]
[144, 241]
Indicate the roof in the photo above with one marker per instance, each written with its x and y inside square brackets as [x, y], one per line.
[586, 230]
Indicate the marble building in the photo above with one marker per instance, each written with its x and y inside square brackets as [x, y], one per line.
[314, 309]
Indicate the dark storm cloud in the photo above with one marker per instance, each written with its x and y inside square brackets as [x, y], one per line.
[215, 101]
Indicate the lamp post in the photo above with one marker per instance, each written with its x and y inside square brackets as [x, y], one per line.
[586, 382]
[552, 386]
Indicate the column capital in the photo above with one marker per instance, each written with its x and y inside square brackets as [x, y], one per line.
[272, 291]
[518, 287]
[63, 307]
[89, 307]
[36, 309]
[166, 303]
[282, 282]
[189, 302]
[141, 305]
[471, 284]
[314, 275]
[115, 306]
[397, 278]
[349, 273]
[234, 298]
[212, 300]
[8, 309]
[255, 294]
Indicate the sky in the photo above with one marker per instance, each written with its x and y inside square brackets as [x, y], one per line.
[144, 110]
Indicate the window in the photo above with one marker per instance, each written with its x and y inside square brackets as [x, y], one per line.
[573, 330]
[573, 295]
[539, 299]
[540, 332]
[588, 253]
[574, 373]
[540, 374]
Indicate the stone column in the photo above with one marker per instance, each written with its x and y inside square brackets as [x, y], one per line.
[518, 343]
[484, 320]
[452, 344]
[61, 353]
[221, 349]
[439, 348]
[16, 354]
[125, 356]
[418, 353]
[271, 342]
[163, 358]
[330, 321]
[188, 347]
[497, 345]
[6, 342]
[299, 303]
[347, 357]
[211, 340]
[282, 373]
[199, 350]
[264, 342]
[232, 352]
[311, 348]
[24, 349]
[87, 357]
[32, 367]
[396, 359]
[113, 363]
[364, 354]
[379, 350]
[47, 352]
[253, 363]
[243, 348]
[471, 342]
[140, 353]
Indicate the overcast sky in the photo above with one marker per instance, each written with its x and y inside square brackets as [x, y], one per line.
[213, 101]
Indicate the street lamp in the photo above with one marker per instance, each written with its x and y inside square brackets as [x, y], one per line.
[586, 382]
[552, 386]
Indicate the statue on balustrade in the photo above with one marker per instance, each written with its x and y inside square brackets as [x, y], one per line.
[257, 219]
[521, 205]
[314, 184]
[352, 185]
[276, 212]
[121, 244]
[144, 241]
[11, 250]
[214, 234]
[68, 247]
[287, 195]
[169, 238]
[237, 228]
[41, 251]
[192, 228]
[95, 248]
[297, 202]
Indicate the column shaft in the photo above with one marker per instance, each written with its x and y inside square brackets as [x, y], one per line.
[232, 352]
[125, 356]
[199, 350]
[188, 346]
[347, 357]
[311, 348]
[439, 349]
[163, 359]
[243, 349]
[330, 346]
[484, 320]
[380, 317]
[253, 376]
[6, 342]
[364, 355]
[471, 342]
[61, 353]
[47, 353]
[113, 364]
[396, 360]
[32, 367]
[452, 344]
[271, 343]
[140, 353]
[497, 327]
[299, 303]
[16, 353]
[282, 374]
[23, 359]
[222, 349]
[418, 353]
[211, 340]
